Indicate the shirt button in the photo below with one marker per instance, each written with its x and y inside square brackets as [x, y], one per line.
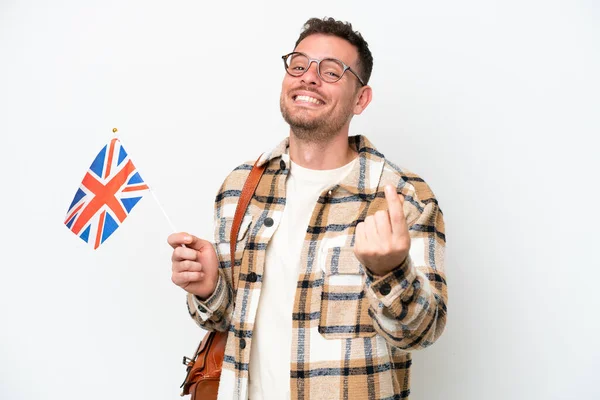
[282, 164]
[242, 343]
[251, 277]
[268, 222]
[385, 289]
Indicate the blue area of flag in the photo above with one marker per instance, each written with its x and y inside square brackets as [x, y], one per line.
[85, 235]
[70, 222]
[98, 165]
[128, 203]
[78, 196]
[122, 155]
[135, 179]
[109, 227]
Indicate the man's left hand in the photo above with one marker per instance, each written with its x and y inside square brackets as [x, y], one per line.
[382, 241]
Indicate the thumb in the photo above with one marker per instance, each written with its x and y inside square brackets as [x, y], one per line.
[196, 243]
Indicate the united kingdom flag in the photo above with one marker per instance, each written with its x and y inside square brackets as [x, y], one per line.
[109, 191]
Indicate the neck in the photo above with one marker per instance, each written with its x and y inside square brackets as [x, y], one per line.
[322, 155]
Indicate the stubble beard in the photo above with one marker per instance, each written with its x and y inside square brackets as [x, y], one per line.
[317, 130]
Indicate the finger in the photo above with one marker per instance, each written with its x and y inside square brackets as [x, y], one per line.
[196, 243]
[371, 230]
[360, 237]
[184, 253]
[382, 223]
[190, 266]
[395, 208]
[187, 277]
[178, 239]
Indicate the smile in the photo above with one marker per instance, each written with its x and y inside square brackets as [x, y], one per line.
[307, 99]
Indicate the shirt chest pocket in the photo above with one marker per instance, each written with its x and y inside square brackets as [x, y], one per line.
[223, 228]
[344, 307]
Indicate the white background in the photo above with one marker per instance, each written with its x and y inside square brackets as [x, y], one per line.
[494, 104]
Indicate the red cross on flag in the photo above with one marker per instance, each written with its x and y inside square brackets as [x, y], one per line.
[110, 189]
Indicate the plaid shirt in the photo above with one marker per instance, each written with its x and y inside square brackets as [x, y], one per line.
[352, 331]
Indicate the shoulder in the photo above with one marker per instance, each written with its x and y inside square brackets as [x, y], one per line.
[231, 189]
[236, 178]
[233, 185]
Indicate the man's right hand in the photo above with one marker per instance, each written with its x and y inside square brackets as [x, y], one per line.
[195, 267]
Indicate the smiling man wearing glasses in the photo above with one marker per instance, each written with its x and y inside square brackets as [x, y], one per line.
[339, 269]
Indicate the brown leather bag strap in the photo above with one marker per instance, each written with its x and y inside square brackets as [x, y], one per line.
[242, 205]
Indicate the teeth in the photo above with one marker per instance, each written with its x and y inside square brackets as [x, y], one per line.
[308, 99]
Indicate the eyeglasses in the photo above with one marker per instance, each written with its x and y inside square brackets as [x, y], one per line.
[329, 70]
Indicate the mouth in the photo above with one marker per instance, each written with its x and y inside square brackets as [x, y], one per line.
[305, 99]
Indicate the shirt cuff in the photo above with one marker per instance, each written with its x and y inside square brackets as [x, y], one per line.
[385, 289]
[205, 308]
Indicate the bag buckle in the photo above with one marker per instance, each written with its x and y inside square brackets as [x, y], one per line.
[188, 361]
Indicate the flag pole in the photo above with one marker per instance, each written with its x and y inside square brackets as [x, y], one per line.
[115, 130]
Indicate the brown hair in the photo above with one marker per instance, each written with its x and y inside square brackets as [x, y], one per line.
[329, 26]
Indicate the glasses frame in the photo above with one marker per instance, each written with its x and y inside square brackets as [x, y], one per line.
[310, 61]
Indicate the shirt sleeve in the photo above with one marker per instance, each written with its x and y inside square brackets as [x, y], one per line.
[212, 313]
[408, 305]
[215, 312]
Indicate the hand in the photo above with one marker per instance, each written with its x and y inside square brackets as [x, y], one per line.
[382, 241]
[195, 267]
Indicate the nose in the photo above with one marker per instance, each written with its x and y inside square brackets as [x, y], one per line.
[311, 76]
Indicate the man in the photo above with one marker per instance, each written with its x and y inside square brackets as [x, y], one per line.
[339, 268]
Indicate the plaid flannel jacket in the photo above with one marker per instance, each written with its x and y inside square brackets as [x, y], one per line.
[352, 331]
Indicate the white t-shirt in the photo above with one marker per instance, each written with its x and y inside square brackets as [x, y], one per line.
[270, 356]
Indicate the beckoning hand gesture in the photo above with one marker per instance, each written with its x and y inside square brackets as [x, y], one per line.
[382, 240]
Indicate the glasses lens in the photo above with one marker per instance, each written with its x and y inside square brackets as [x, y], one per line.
[331, 70]
[296, 64]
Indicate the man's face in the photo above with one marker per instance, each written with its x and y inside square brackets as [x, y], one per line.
[314, 109]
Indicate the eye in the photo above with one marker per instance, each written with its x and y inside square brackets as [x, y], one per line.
[331, 69]
[331, 72]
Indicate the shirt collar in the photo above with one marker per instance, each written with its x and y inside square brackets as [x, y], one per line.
[364, 177]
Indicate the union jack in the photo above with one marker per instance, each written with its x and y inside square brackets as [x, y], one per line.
[110, 189]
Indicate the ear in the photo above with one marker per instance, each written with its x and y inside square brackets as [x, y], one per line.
[364, 96]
